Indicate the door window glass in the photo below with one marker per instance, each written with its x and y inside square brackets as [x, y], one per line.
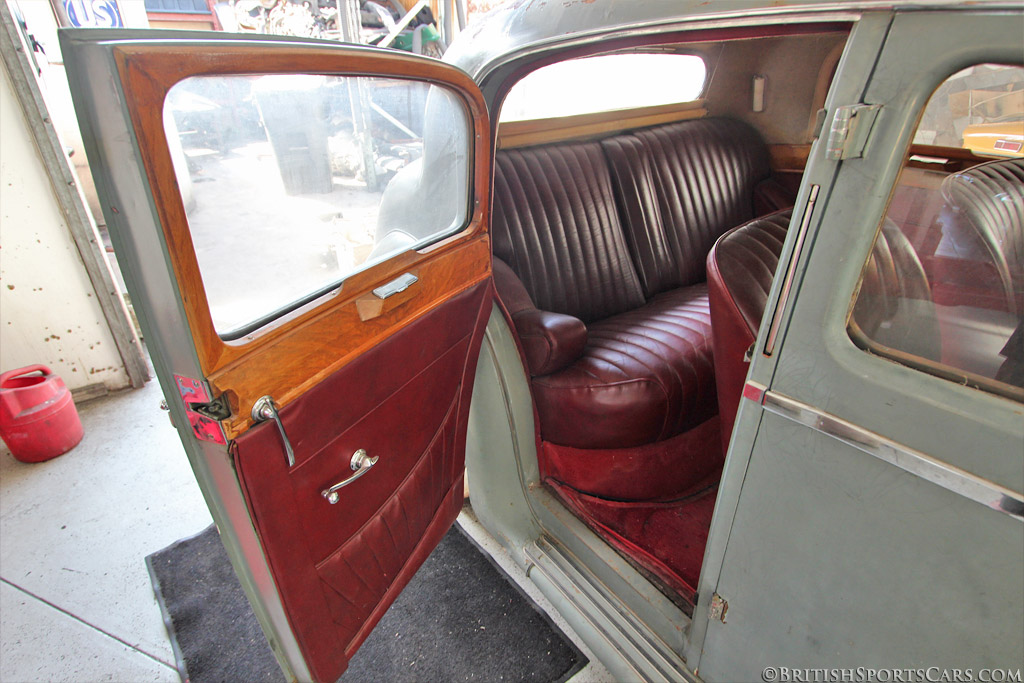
[291, 183]
[943, 289]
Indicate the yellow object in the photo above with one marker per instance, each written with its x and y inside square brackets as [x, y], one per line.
[1004, 139]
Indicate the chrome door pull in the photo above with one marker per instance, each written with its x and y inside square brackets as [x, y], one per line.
[360, 464]
[263, 410]
[399, 284]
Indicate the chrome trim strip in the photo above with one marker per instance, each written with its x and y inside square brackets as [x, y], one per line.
[787, 286]
[951, 478]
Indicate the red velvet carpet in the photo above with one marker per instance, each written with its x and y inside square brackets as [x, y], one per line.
[666, 538]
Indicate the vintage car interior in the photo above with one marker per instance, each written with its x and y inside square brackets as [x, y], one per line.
[602, 224]
[633, 258]
[484, 271]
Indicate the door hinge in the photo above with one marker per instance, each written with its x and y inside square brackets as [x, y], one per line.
[719, 606]
[851, 128]
[217, 409]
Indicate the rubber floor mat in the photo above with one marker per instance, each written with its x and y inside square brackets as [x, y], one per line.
[460, 619]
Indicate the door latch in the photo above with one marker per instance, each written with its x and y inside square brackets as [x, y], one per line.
[217, 409]
[399, 284]
[851, 128]
[264, 409]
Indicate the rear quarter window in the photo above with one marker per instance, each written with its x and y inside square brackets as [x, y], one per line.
[605, 83]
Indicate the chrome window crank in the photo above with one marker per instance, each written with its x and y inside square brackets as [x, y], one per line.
[263, 410]
[360, 464]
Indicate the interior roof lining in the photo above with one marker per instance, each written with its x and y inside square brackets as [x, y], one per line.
[675, 39]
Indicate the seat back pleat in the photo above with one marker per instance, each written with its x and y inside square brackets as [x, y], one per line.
[556, 224]
[680, 187]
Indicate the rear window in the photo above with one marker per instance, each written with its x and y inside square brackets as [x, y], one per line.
[605, 83]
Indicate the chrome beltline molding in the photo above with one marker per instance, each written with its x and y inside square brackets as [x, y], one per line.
[951, 478]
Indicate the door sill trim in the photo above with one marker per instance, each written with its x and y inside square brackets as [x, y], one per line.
[635, 655]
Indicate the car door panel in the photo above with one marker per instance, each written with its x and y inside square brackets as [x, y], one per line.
[333, 339]
[855, 478]
[348, 368]
[349, 561]
[906, 549]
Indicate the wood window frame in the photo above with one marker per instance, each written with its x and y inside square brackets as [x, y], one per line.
[293, 353]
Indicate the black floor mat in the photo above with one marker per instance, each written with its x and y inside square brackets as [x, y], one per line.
[460, 619]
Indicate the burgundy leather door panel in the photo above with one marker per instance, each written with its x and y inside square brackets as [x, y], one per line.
[344, 564]
[375, 349]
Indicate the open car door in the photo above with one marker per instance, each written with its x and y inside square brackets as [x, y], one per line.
[303, 231]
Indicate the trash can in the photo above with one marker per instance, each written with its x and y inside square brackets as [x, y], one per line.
[38, 419]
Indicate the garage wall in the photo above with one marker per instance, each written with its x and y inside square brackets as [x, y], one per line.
[49, 312]
[42, 24]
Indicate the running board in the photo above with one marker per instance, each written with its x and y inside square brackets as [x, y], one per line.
[631, 652]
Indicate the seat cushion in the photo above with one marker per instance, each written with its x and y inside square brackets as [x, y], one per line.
[645, 375]
[556, 225]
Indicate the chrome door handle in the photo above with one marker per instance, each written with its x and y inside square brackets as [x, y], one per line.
[399, 284]
[360, 464]
[263, 410]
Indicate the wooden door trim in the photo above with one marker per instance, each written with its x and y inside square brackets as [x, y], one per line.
[276, 360]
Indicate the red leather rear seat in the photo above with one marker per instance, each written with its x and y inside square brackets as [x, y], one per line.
[606, 244]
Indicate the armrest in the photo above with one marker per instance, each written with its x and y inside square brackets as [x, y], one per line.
[550, 341]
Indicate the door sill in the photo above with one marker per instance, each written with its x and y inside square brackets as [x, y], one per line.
[630, 651]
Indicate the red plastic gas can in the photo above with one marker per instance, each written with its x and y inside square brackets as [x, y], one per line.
[38, 420]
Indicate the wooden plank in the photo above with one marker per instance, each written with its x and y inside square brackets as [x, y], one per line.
[955, 158]
[788, 157]
[89, 392]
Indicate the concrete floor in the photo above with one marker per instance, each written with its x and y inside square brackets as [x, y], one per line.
[76, 603]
